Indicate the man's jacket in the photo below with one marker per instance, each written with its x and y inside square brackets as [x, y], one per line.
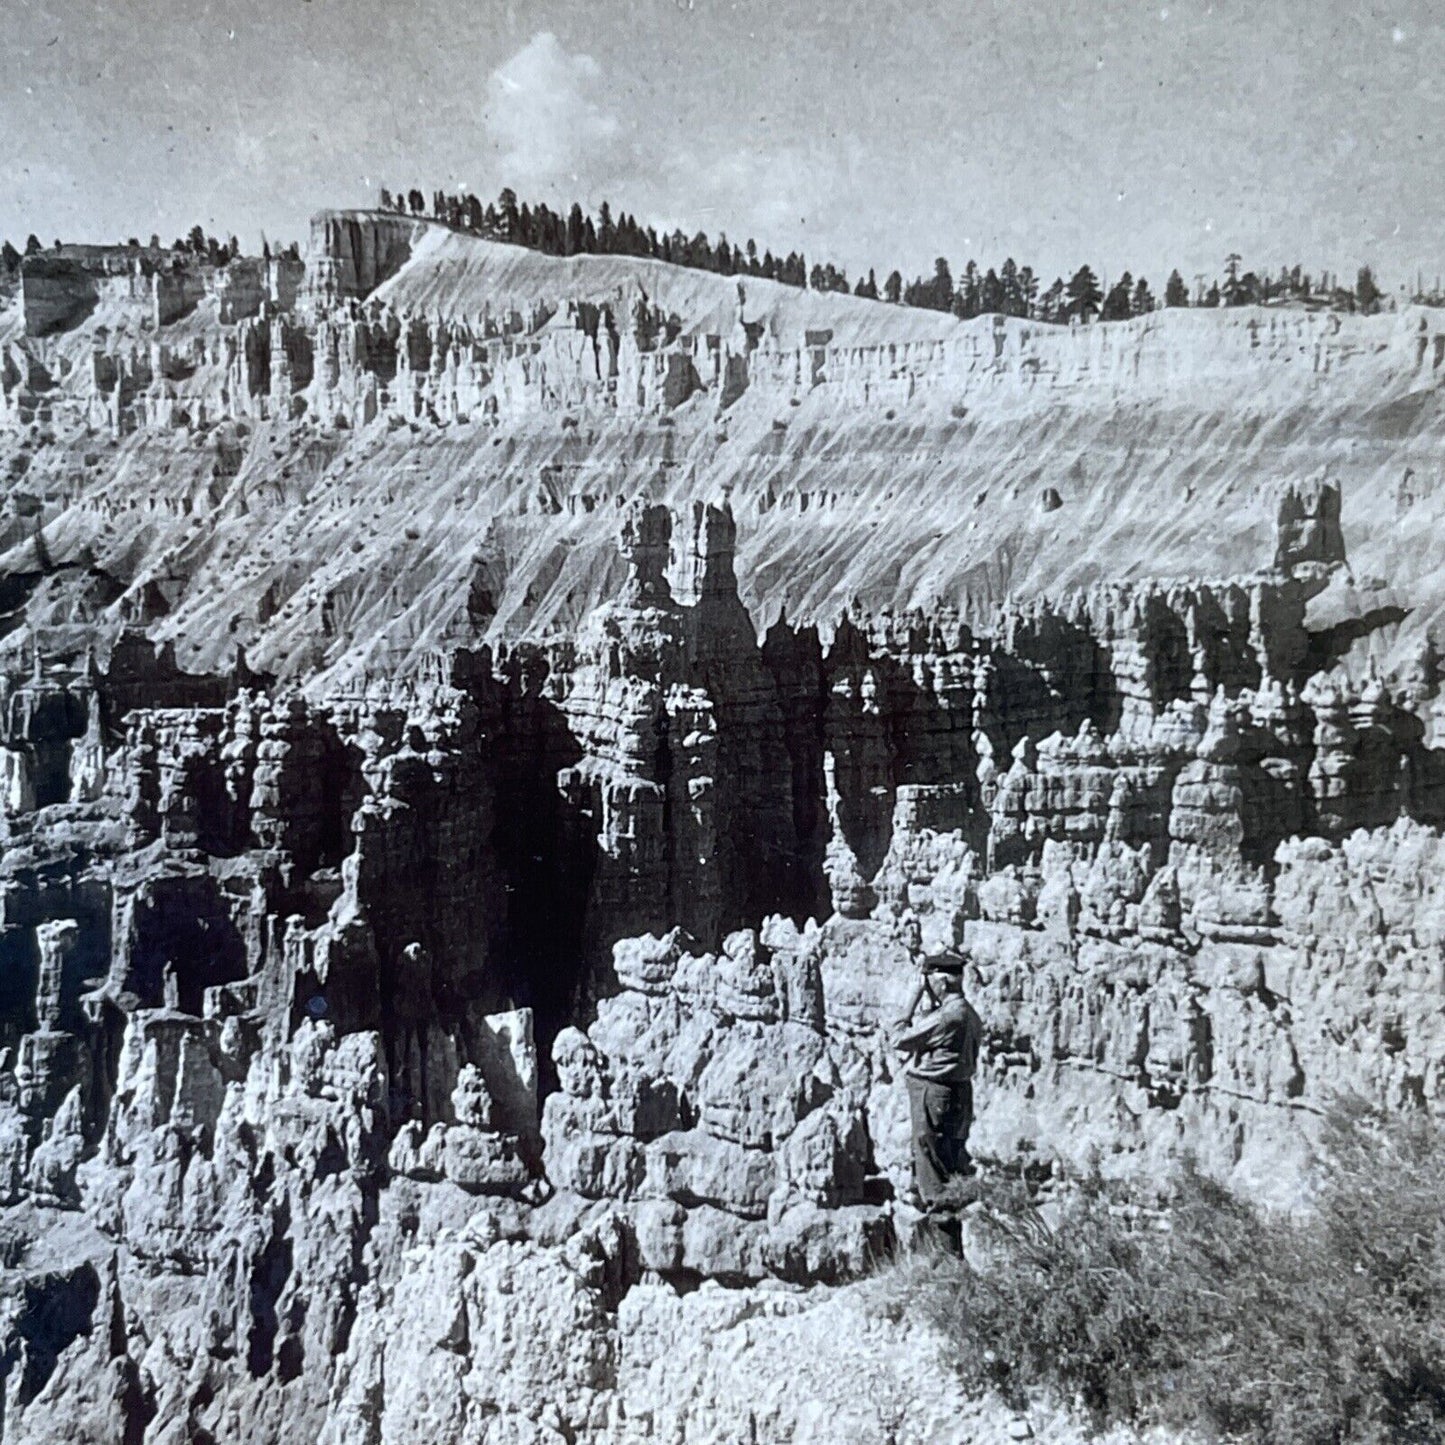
[944, 1042]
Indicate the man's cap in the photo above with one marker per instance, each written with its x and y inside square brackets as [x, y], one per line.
[946, 962]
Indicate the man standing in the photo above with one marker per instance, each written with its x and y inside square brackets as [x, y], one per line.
[943, 1051]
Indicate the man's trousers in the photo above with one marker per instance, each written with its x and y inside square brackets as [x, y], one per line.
[942, 1115]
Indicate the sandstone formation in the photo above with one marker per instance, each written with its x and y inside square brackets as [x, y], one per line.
[422, 1021]
[444, 422]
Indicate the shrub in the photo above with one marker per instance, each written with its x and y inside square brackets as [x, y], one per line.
[1211, 1314]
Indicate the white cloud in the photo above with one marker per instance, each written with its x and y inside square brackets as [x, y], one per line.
[547, 118]
[556, 137]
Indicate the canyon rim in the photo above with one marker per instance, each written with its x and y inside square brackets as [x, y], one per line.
[485, 687]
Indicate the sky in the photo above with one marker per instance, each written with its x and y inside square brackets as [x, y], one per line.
[866, 132]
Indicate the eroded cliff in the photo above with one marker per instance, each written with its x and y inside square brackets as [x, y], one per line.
[411, 447]
[419, 1019]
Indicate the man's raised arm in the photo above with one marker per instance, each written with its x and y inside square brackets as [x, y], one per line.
[917, 1038]
[901, 1024]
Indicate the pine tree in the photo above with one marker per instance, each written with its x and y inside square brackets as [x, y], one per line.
[991, 294]
[1367, 294]
[1028, 290]
[970, 292]
[1052, 306]
[1232, 295]
[9, 258]
[1116, 303]
[893, 288]
[1176, 293]
[1143, 302]
[1009, 296]
[941, 293]
[1084, 294]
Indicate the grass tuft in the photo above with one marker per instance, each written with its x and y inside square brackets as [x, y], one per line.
[1211, 1314]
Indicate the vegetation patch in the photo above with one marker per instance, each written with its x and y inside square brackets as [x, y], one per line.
[1210, 1314]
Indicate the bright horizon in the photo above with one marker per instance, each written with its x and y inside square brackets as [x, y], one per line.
[1125, 136]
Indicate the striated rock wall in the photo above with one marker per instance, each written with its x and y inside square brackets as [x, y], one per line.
[1123, 781]
[344, 1036]
[354, 254]
[442, 326]
[330, 472]
[512, 355]
[54, 295]
[419, 1051]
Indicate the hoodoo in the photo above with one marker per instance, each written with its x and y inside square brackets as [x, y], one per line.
[486, 738]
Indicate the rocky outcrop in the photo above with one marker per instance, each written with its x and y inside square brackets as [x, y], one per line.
[706, 1101]
[446, 1031]
[353, 254]
[1128, 764]
[407, 379]
[56, 294]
